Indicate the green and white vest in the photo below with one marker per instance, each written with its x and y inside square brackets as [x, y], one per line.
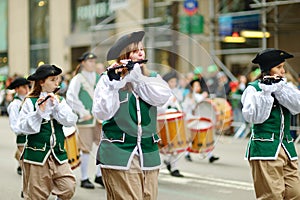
[49, 140]
[87, 99]
[267, 137]
[120, 137]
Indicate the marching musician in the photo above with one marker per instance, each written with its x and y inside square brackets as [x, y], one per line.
[80, 96]
[21, 87]
[126, 98]
[268, 104]
[195, 96]
[42, 116]
[172, 105]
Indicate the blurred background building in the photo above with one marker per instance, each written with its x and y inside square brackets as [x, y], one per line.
[180, 34]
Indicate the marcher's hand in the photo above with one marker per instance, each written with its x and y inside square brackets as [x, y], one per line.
[267, 89]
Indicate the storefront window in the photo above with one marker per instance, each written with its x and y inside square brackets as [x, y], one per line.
[39, 32]
[85, 14]
[3, 38]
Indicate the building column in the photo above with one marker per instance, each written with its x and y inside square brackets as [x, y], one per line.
[18, 37]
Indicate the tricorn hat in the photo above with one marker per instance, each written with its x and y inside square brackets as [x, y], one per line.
[269, 58]
[86, 55]
[18, 82]
[122, 43]
[43, 71]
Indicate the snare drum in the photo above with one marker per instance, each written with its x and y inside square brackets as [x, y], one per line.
[172, 131]
[218, 110]
[201, 133]
[71, 146]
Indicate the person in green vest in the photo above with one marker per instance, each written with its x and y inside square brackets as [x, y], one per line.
[21, 87]
[127, 99]
[268, 103]
[42, 117]
[80, 96]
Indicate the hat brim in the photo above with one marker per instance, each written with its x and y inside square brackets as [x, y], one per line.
[44, 71]
[115, 51]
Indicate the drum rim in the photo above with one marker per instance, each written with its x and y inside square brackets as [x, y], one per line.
[203, 119]
[170, 119]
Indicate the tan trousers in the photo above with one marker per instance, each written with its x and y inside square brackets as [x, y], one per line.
[51, 177]
[87, 136]
[133, 184]
[276, 179]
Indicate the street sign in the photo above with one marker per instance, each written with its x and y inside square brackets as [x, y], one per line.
[190, 7]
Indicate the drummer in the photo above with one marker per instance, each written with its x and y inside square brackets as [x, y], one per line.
[194, 97]
[173, 105]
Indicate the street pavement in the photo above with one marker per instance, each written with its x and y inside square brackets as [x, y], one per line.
[228, 178]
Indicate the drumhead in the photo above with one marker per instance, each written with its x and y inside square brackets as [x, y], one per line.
[201, 124]
[170, 116]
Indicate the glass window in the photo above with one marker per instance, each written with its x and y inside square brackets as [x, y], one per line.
[39, 32]
[84, 14]
[3, 37]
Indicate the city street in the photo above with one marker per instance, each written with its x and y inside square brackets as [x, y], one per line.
[227, 178]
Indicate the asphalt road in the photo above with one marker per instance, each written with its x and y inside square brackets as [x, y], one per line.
[227, 179]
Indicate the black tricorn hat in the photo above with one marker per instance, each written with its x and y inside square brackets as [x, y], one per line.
[86, 55]
[18, 82]
[44, 71]
[122, 43]
[269, 58]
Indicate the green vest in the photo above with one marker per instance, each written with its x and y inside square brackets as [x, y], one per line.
[266, 138]
[38, 146]
[120, 137]
[20, 139]
[87, 101]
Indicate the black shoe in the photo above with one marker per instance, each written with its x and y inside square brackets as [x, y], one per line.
[98, 179]
[87, 184]
[22, 195]
[188, 157]
[19, 170]
[213, 159]
[176, 173]
[168, 165]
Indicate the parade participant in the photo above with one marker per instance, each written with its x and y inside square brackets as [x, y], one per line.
[127, 99]
[21, 87]
[195, 96]
[268, 103]
[80, 96]
[172, 105]
[41, 118]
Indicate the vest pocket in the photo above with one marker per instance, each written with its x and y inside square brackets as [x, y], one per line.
[114, 137]
[155, 138]
[266, 137]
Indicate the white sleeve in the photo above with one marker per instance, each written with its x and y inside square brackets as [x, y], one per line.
[29, 119]
[289, 97]
[257, 105]
[72, 97]
[106, 100]
[154, 90]
[64, 114]
[13, 110]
